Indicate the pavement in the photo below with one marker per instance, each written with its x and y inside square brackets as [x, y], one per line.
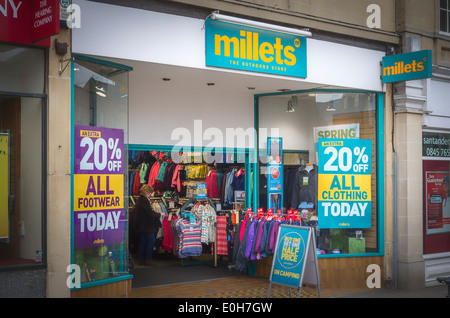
[439, 291]
[166, 280]
[258, 288]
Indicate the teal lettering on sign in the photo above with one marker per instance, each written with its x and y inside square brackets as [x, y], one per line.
[246, 48]
[408, 66]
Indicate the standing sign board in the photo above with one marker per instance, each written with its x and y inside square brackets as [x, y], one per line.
[98, 186]
[295, 259]
[344, 183]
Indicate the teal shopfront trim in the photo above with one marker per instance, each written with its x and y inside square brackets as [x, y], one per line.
[380, 171]
[380, 168]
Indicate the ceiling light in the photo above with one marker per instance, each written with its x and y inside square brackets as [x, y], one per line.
[331, 108]
[290, 108]
[217, 16]
[100, 91]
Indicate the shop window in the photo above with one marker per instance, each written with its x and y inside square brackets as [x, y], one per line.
[300, 120]
[444, 15]
[100, 213]
[21, 190]
[21, 70]
[436, 198]
[22, 149]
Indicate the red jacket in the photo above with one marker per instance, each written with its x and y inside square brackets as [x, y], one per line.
[212, 186]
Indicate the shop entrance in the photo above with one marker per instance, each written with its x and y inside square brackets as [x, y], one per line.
[201, 196]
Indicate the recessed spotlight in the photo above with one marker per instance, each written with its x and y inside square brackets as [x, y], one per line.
[210, 84]
[166, 79]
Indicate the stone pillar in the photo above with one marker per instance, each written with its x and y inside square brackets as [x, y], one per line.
[59, 170]
[409, 101]
[388, 189]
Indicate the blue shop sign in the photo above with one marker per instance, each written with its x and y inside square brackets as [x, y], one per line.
[246, 48]
[407, 66]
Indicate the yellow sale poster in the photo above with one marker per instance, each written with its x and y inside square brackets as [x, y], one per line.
[4, 185]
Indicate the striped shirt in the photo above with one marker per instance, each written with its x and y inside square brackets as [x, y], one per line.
[189, 238]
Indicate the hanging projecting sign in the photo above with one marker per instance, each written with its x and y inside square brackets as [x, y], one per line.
[29, 22]
[407, 66]
[344, 183]
[246, 48]
[98, 186]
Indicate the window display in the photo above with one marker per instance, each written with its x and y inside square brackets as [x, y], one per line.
[336, 116]
[100, 214]
[436, 201]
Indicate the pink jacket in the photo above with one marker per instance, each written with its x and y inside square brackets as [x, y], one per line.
[176, 178]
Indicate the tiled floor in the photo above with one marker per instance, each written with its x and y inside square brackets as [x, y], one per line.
[236, 287]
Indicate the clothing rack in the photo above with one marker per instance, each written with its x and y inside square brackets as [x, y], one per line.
[183, 214]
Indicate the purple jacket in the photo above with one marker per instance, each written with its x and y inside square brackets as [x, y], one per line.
[259, 235]
[250, 238]
[273, 236]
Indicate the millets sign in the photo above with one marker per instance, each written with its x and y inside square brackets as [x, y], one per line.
[407, 66]
[241, 47]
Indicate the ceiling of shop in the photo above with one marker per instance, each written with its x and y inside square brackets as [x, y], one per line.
[228, 81]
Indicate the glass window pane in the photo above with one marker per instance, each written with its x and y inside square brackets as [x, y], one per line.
[300, 119]
[100, 245]
[443, 4]
[21, 180]
[21, 69]
[443, 21]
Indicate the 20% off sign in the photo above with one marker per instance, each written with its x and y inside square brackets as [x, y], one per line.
[344, 183]
[98, 185]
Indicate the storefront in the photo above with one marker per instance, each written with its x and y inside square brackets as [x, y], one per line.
[24, 42]
[436, 169]
[196, 129]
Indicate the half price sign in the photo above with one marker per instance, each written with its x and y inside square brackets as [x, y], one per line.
[344, 183]
[98, 186]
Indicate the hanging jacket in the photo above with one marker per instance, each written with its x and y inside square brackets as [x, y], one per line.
[212, 188]
[305, 187]
[240, 262]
